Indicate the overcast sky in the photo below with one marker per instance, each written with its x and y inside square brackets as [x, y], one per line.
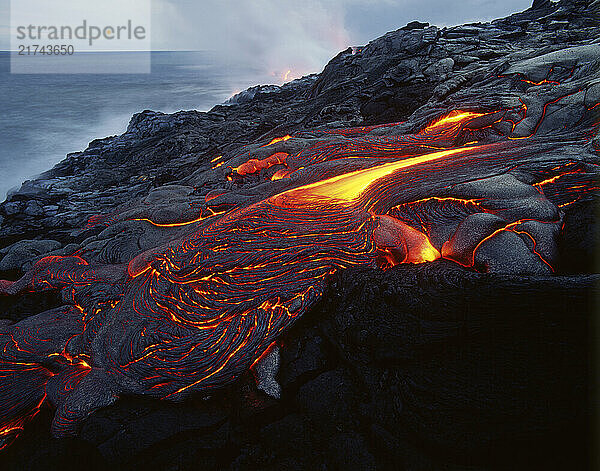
[301, 35]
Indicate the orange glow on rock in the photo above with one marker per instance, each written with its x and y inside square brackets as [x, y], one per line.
[254, 165]
[454, 117]
[198, 311]
[282, 173]
[278, 139]
[400, 243]
[542, 82]
[202, 217]
[350, 186]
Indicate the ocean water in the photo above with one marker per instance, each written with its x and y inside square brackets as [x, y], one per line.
[45, 116]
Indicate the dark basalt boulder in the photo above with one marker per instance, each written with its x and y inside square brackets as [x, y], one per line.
[468, 366]
[415, 25]
[539, 4]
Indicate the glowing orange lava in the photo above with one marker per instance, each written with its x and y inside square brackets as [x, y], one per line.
[254, 165]
[196, 311]
[350, 186]
[277, 139]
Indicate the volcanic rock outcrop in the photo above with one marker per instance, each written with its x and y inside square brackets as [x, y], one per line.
[413, 229]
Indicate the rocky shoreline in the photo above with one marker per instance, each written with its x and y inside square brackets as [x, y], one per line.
[428, 366]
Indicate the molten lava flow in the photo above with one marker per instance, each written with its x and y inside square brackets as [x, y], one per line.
[350, 186]
[399, 243]
[281, 173]
[278, 139]
[203, 216]
[542, 82]
[195, 312]
[253, 165]
[439, 135]
[454, 117]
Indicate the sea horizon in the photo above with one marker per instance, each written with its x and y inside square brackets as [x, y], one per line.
[50, 115]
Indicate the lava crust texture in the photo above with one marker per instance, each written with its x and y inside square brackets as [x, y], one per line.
[174, 294]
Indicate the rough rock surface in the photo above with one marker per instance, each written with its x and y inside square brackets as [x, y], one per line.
[428, 366]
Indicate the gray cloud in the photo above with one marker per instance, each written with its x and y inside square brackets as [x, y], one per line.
[301, 36]
[271, 35]
[274, 36]
[369, 20]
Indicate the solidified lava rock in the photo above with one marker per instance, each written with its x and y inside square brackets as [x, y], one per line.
[480, 360]
[579, 239]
